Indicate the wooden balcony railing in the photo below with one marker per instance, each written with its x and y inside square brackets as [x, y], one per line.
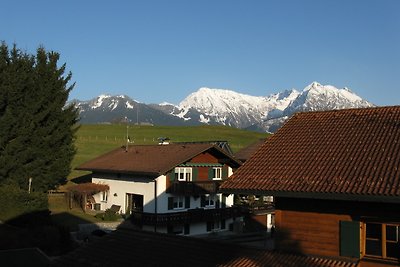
[194, 188]
[189, 216]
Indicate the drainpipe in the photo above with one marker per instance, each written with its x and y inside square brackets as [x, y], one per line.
[155, 204]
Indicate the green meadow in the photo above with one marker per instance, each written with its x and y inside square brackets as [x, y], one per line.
[94, 140]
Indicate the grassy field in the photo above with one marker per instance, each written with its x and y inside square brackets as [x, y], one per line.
[94, 140]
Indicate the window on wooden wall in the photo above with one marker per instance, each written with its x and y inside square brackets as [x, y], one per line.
[382, 240]
[183, 174]
[217, 173]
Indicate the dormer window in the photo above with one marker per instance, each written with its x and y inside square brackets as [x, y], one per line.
[183, 174]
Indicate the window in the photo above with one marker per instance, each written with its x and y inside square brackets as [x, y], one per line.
[215, 225]
[382, 240]
[217, 173]
[209, 201]
[178, 202]
[175, 229]
[178, 229]
[183, 174]
[104, 196]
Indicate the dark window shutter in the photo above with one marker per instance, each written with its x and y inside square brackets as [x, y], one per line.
[186, 229]
[172, 175]
[224, 172]
[187, 202]
[195, 174]
[223, 224]
[170, 203]
[203, 201]
[210, 173]
[217, 202]
[223, 204]
[170, 229]
[350, 239]
[209, 226]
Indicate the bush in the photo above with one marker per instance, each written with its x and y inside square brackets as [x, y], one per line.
[15, 202]
[108, 215]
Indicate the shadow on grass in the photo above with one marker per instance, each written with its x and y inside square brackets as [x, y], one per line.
[72, 219]
[50, 233]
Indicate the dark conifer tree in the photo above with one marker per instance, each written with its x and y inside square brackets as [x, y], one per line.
[36, 128]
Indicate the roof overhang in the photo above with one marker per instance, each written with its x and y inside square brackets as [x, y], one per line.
[312, 195]
[135, 173]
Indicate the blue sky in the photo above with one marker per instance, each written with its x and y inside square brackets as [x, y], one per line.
[155, 51]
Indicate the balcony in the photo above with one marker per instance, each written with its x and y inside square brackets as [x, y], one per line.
[194, 188]
[189, 216]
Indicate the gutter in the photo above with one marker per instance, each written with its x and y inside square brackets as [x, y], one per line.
[155, 203]
[315, 195]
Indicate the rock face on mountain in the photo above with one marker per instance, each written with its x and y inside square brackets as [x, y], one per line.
[115, 109]
[220, 106]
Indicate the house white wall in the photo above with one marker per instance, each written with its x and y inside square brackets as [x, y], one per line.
[120, 186]
[123, 184]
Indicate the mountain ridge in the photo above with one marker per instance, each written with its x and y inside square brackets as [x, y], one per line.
[221, 107]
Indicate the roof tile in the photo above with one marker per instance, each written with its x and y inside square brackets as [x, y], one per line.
[352, 151]
[150, 159]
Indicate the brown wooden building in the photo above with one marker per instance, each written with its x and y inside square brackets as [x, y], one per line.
[336, 181]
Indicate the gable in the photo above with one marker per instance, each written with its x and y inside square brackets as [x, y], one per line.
[205, 157]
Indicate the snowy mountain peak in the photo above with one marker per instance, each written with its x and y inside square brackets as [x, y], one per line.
[316, 97]
[313, 85]
[223, 106]
[239, 110]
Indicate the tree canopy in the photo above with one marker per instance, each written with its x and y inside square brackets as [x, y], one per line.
[37, 129]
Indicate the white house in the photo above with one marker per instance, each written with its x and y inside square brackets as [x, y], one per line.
[168, 188]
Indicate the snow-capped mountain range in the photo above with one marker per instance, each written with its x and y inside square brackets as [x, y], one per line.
[220, 106]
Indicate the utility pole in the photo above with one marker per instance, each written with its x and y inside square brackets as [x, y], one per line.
[29, 185]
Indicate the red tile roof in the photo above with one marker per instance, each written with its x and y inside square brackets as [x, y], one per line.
[353, 153]
[245, 153]
[151, 160]
[128, 247]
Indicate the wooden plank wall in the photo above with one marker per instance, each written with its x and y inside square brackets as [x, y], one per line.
[312, 226]
[309, 232]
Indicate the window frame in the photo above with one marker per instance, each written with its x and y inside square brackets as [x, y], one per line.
[178, 200]
[383, 240]
[217, 173]
[215, 226]
[183, 174]
[104, 196]
[208, 199]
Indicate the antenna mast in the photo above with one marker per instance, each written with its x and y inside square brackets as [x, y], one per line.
[127, 134]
